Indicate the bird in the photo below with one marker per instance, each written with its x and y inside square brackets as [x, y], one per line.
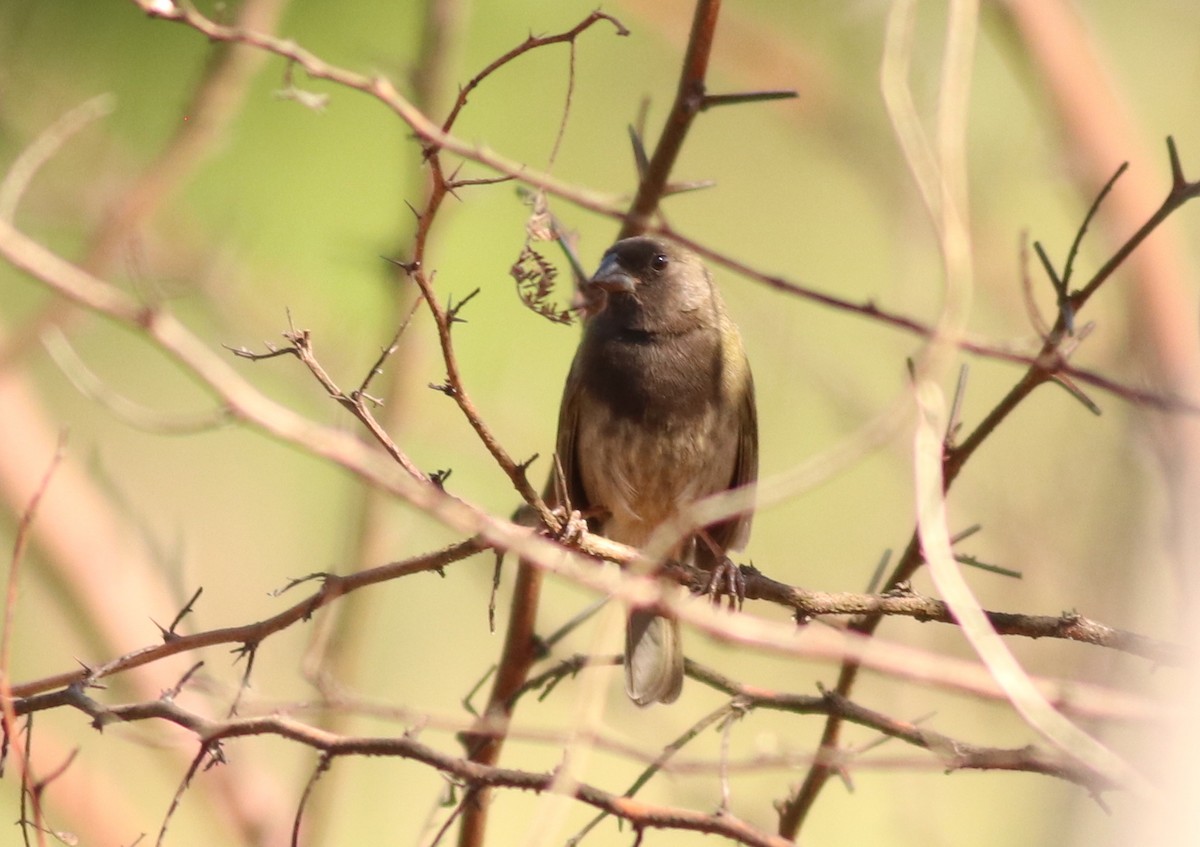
[658, 411]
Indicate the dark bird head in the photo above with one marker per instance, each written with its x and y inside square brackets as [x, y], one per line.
[654, 285]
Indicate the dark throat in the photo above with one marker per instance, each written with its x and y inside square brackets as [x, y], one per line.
[653, 378]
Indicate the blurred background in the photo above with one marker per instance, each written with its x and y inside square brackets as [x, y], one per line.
[240, 206]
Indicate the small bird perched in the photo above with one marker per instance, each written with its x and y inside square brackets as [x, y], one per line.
[657, 413]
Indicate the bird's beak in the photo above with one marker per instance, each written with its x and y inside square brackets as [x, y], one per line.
[613, 278]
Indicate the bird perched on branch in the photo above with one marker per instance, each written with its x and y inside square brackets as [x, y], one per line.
[657, 413]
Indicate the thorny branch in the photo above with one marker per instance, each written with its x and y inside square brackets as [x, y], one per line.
[688, 101]
[951, 753]
[40, 694]
[300, 346]
[531, 43]
[442, 185]
[332, 587]
[212, 733]
[954, 754]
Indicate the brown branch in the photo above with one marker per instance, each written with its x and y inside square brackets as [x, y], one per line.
[952, 753]
[520, 651]
[300, 346]
[1050, 361]
[38, 789]
[444, 319]
[207, 752]
[332, 587]
[454, 383]
[440, 186]
[722, 712]
[320, 770]
[689, 100]
[903, 602]
[533, 42]
[1041, 360]
[1181, 192]
[475, 775]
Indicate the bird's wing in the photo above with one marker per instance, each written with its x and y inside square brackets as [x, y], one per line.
[733, 533]
[571, 482]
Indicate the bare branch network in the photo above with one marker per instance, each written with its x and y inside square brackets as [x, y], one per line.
[546, 540]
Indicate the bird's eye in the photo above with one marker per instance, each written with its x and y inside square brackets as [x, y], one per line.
[659, 261]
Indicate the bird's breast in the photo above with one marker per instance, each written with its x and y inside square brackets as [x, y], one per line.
[653, 434]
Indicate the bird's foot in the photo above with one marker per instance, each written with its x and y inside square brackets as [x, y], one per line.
[726, 580]
[574, 526]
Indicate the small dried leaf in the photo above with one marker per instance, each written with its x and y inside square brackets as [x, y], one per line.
[535, 277]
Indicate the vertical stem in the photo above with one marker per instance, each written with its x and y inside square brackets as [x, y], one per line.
[688, 99]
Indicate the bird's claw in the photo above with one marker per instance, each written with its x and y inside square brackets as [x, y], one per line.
[726, 580]
[574, 526]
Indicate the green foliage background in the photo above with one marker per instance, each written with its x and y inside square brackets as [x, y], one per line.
[292, 214]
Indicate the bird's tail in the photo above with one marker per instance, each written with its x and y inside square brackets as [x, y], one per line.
[653, 658]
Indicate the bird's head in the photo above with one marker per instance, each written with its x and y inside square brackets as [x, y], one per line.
[654, 285]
